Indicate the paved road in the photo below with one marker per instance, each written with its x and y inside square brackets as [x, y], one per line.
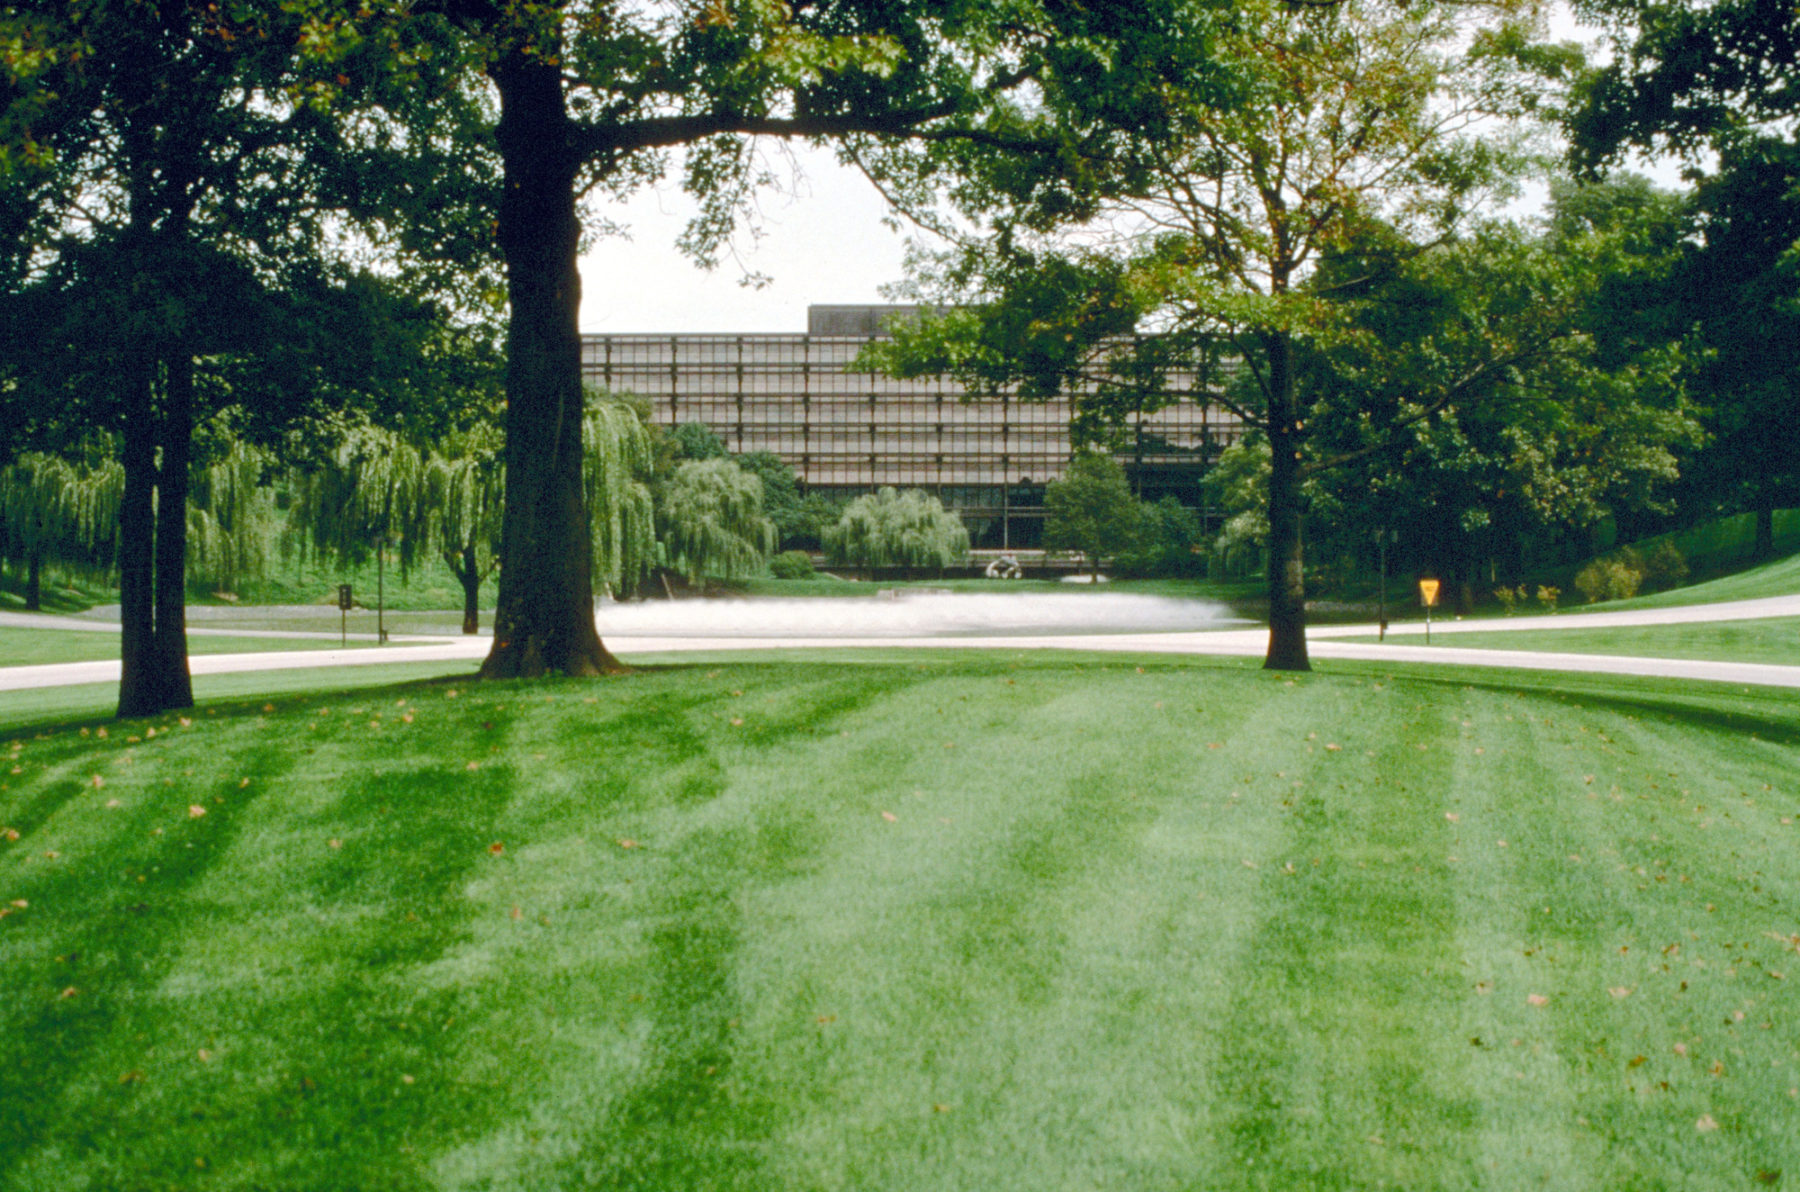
[1246, 642]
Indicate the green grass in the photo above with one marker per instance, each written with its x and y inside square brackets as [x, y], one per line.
[1773, 640]
[954, 921]
[28, 647]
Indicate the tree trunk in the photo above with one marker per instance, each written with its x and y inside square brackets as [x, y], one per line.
[544, 614]
[463, 567]
[153, 665]
[174, 685]
[137, 542]
[1764, 545]
[1287, 563]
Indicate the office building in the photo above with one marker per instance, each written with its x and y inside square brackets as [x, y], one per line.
[846, 431]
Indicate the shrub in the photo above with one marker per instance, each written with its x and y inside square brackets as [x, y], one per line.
[791, 564]
[1510, 598]
[1615, 578]
[1547, 596]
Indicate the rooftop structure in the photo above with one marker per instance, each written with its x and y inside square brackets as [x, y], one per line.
[846, 432]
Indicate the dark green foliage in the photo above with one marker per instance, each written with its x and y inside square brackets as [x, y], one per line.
[1170, 543]
[695, 440]
[797, 522]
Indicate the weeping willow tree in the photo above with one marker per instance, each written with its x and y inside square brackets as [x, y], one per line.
[615, 481]
[897, 529]
[712, 522]
[232, 521]
[368, 494]
[461, 490]
[54, 510]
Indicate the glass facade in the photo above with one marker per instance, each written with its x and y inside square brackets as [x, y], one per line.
[846, 432]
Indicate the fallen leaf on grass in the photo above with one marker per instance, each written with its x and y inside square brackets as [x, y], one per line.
[496, 848]
[737, 722]
[334, 842]
[1637, 1061]
[99, 781]
[1537, 999]
[890, 817]
[69, 993]
[627, 842]
[1619, 991]
[517, 914]
[1705, 1123]
[195, 811]
[1452, 816]
[1681, 1049]
[473, 766]
[203, 1055]
[131, 1077]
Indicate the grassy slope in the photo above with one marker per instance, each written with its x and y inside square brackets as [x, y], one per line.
[972, 922]
[1775, 640]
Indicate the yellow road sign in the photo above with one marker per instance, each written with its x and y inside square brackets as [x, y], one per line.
[1428, 592]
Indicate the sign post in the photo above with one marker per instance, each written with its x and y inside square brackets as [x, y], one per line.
[1428, 596]
[345, 603]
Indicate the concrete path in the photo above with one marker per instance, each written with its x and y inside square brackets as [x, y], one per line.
[1242, 642]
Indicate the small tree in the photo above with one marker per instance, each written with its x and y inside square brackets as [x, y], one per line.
[711, 522]
[1091, 510]
[890, 528]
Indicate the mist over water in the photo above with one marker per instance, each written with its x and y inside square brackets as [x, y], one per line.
[913, 614]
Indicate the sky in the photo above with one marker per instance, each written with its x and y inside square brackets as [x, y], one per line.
[824, 242]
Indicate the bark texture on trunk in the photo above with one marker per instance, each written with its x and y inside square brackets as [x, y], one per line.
[34, 579]
[544, 614]
[153, 660]
[174, 684]
[1287, 560]
[137, 545]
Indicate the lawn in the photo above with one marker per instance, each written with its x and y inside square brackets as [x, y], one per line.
[31, 647]
[984, 921]
[1774, 640]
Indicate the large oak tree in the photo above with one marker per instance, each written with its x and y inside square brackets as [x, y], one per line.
[592, 95]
